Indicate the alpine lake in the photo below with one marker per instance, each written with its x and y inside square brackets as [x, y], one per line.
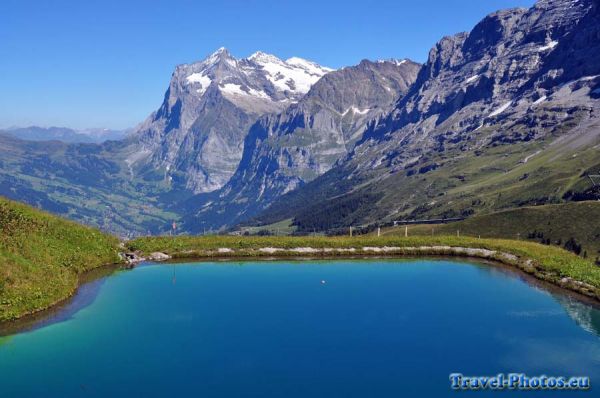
[301, 328]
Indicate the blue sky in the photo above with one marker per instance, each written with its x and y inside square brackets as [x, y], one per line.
[107, 63]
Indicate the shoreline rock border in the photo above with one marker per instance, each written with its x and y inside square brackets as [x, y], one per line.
[526, 265]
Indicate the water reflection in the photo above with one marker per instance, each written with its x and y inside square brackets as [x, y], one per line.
[4, 340]
[586, 316]
[375, 327]
[583, 311]
[90, 284]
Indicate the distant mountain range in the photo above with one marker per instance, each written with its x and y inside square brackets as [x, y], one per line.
[500, 117]
[64, 134]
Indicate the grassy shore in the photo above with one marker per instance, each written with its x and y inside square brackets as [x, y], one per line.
[550, 224]
[41, 257]
[549, 263]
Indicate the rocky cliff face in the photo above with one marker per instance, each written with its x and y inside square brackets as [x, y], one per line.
[284, 151]
[510, 107]
[195, 139]
[512, 62]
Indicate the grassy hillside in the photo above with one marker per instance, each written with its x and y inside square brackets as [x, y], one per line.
[41, 256]
[455, 182]
[548, 224]
[283, 227]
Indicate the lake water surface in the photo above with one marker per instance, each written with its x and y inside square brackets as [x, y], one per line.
[343, 328]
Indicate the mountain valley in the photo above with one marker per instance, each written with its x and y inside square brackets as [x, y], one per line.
[497, 118]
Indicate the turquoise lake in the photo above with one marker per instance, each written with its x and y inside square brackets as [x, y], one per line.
[342, 328]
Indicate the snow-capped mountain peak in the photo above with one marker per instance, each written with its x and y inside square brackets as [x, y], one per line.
[296, 75]
[260, 75]
[221, 51]
[220, 95]
[309, 66]
[261, 57]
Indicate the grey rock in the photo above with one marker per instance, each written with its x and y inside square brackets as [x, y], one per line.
[474, 80]
[520, 75]
[196, 137]
[284, 151]
[158, 256]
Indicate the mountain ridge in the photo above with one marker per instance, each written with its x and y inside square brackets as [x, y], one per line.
[65, 134]
[285, 150]
[503, 116]
[200, 127]
[494, 86]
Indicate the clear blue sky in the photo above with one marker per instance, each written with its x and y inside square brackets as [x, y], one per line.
[89, 63]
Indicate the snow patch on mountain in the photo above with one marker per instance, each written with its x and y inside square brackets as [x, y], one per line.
[236, 89]
[393, 61]
[356, 110]
[548, 46]
[296, 75]
[472, 79]
[309, 66]
[588, 78]
[500, 109]
[200, 78]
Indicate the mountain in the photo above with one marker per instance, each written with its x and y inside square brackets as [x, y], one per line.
[192, 143]
[100, 135]
[196, 137]
[283, 151]
[500, 117]
[64, 134]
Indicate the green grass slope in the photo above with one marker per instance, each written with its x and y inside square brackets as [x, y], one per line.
[550, 224]
[454, 182]
[41, 257]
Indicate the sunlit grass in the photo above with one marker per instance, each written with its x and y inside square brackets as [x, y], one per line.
[41, 257]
